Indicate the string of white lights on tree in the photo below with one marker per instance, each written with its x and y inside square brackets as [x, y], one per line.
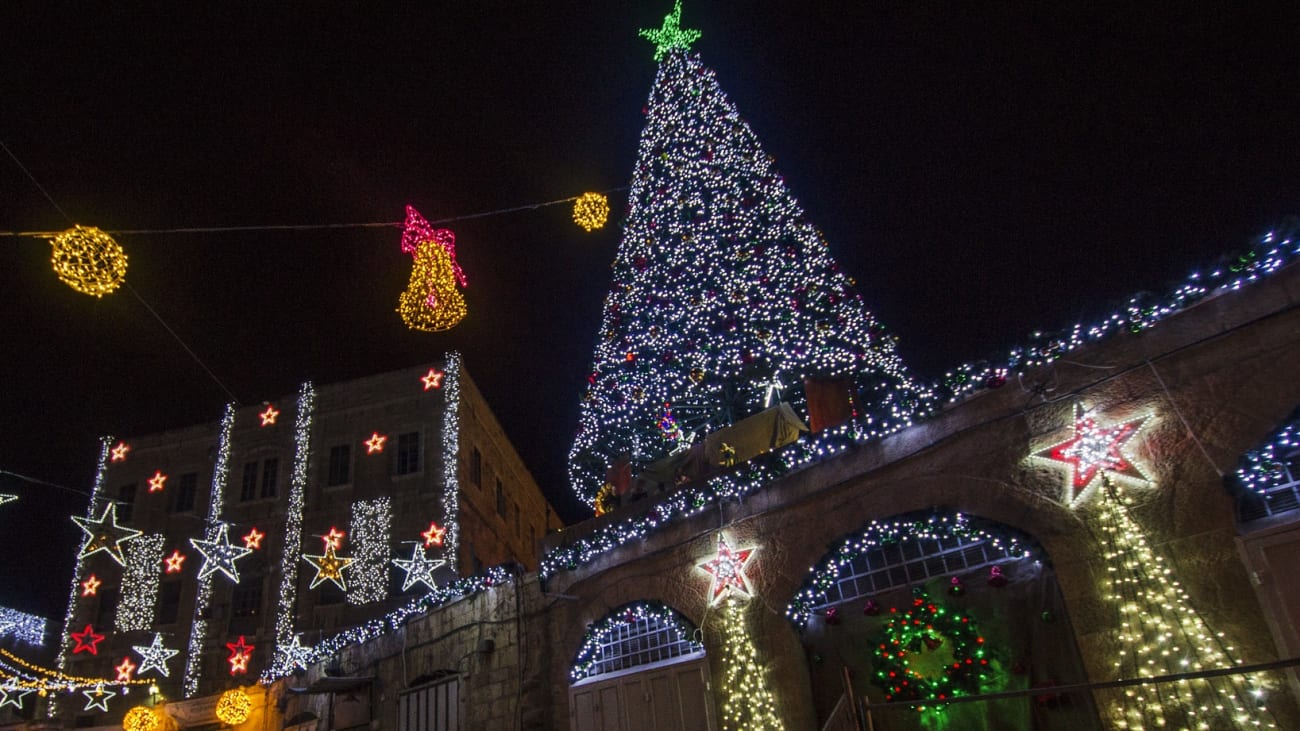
[285, 661]
[203, 595]
[22, 627]
[291, 542]
[450, 457]
[139, 594]
[78, 571]
[370, 536]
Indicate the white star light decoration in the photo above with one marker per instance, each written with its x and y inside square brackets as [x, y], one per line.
[104, 535]
[419, 568]
[7, 498]
[98, 698]
[218, 554]
[295, 655]
[728, 571]
[1092, 451]
[14, 696]
[154, 656]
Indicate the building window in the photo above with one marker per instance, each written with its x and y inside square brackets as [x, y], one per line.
[246, 600]
[248, 490]
[408, 453]
[340, 467]
[518, 531]
[501, 500]
[169, 602]
[270, 469]
[630, 637]
[186, 488]
[476, 467]
[125, 502]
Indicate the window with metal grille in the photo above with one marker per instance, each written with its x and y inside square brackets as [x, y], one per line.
[185, 491]
[476, 467]
[125, 502]
[248, 489]
[911, 562]
[340, 466]
[637, 641]
[270, 471]
[1282, 497]
[408, 453]
[432, 707]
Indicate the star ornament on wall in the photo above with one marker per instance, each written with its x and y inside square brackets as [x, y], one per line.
[13, 696]
[104, 535]
[268, 416]
[240, 653]
[375, 443]
[218, 554]
[154, 656]
[419, 568]
[98, 698]
[434, 536]
[253, 539]
[329, 567]
[90, 586]
[1093, 450]
[294, 654]
[156, 482]
[125, 670]
[87, 640]
[728, 571]
[433, 379]
[118, 453]
[174, 561]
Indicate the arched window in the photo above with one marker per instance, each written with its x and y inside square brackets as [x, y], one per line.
[1268, 478]
[901, 552]
[635, 635]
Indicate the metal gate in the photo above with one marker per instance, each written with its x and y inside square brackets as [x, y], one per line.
[664, 697]
[432, 707]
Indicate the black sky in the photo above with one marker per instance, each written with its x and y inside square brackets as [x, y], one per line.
[982, 169]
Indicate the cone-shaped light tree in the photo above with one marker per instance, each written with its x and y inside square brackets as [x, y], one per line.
[724, 295]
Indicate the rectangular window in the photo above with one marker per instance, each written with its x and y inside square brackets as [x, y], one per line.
[476, 467]
[408, 453]
[246, 600]
[518, 531]
[501, 500]
[248, 490]
[125, 502]
[169, 602]
[340, 467]
[186, 488]
[270, 470]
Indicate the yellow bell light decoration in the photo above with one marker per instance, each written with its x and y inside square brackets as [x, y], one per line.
[89, 260]
[431, 301]
[234, 706]
[590, 211]
[141, 718]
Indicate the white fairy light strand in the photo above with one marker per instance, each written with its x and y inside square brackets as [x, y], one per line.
[139, 593]
[22, 627]
[450, 456]
[370, 536]
[78, 570]
[292, 541]
[203, 596]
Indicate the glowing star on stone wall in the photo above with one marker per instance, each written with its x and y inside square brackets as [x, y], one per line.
[728, 571]
[434, 536]
[87, 640]
[433, 379]
[156, 482]
[333, 539]
[329, 567]
[375, 443]
[119, 452]
[240, 653]
[98, 698]
[294, 655]
[268, 416]
[11, 696]
[105, 535]
[253, 539]
[174, 561]
[90, 585]
[1094, 450]
[125, 670]
[154, 656]
[219, 554]
[419, 568]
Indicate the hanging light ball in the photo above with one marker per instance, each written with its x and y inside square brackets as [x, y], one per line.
[590, 211]
[89, 260]
[234, 706]
[140, 718]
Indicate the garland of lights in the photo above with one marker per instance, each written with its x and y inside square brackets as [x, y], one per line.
[21, 673]
[371, 528]
[748, 703]
[22, 627]
[720, 286]
[88, 260]
[287, 597]
[1161, 632]
[450, 456]
[139, 593]
[79, 567]
[1269, 466]
[203, 596]
[284, 662]
[815, 591]
[929, 654]
[599, 633]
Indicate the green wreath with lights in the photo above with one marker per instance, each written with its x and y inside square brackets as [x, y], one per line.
[929, 653]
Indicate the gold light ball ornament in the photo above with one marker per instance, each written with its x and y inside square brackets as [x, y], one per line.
[141, 718]
[590, 211]
[89, 260]
[234, 706]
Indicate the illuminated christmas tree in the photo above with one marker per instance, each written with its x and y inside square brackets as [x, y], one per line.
[724, 295]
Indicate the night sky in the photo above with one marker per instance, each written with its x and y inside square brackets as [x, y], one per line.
[982, 169]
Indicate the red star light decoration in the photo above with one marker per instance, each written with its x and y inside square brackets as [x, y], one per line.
[174, 561]
[240, 653]
[90, 585]
[268, 416]
[433, 379]
[375, 443]
[333, 539]
[728, 571]
[156, 482]
[125, 670]
[1093, 450]
[87, 640]
[433, 536]
[119, 452]
[253, 540]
